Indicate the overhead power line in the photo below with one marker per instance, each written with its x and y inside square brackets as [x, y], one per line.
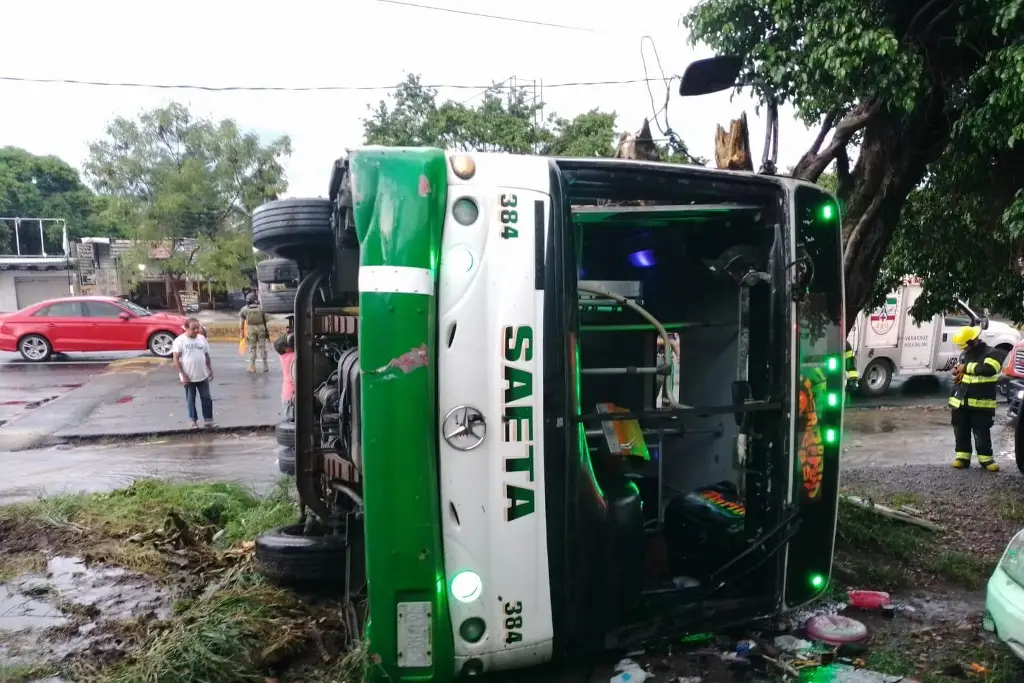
[311, 88]
[487, 16]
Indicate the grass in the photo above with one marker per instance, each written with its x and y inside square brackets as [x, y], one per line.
[888, 554]
[149, 513]
[1009, 506]
[24, 673]
[231, 625]
[896, 659]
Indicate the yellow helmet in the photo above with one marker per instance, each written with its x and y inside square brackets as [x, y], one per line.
[965, 335]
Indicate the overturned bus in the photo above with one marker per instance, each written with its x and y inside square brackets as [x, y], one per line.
[551, 406]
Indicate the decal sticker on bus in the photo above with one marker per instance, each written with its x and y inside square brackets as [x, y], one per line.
[518, 419]
[812, 460]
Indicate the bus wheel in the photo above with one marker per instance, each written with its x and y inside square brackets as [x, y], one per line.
[286, 227]
[286, 555]
[876, 378]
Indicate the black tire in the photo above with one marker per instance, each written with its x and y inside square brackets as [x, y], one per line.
[285, 556]
[160, 343]
[277, 271]
[289, 226]
[278, 302]
[876, 378]
[285, 434]
[1018, 444]
[286, 460]
[35, 348]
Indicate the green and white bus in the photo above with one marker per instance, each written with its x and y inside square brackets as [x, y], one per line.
[493, 449]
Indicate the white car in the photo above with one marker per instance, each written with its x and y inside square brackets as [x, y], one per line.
[1004, 602]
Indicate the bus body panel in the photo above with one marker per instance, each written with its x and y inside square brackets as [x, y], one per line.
[490, 365]
[399, 208]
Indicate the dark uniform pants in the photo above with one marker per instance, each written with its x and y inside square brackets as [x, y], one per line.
[976, 420]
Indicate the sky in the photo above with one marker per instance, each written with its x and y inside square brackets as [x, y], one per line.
[370, 44]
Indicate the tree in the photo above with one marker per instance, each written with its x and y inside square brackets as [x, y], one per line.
[187, 186]
[505, 120]
[927, 94]
[34, 186]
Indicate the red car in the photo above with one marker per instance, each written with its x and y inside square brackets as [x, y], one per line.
[89, 324]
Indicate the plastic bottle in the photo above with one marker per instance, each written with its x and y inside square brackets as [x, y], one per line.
[868, 599]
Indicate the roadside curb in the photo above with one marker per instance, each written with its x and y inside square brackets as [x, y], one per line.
[73, 439]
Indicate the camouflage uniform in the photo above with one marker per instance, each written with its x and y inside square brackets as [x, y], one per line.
[256, 334]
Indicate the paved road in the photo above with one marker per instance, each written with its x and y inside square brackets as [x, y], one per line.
[248, 460]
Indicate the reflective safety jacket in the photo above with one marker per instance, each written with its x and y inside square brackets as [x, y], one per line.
[851, 363]
[977, 388]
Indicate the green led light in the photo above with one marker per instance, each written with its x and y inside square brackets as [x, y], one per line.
[833, 400]
[817, 581]
[832, 363]
[467, 586]
[828, 212]
[831, 435]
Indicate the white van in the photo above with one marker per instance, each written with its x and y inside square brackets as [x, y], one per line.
[888, 342]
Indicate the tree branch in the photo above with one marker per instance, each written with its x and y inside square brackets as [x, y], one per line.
[812, 164]
[826, 126]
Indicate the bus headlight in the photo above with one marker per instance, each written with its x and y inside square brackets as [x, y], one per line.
[463, 166]
[465, 211]
[466, 586]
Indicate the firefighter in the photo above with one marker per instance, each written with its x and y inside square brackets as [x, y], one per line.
[852, 378]
[973, 399]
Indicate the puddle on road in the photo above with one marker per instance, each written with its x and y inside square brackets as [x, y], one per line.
[58, 613]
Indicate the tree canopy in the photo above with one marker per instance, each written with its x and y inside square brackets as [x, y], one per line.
[189, 184]
[34, 186]
[503, 120]
[927, 97]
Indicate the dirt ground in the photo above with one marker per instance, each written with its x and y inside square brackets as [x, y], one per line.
[154, 582]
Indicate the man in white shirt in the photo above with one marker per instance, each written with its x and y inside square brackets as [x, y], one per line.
[191, 356]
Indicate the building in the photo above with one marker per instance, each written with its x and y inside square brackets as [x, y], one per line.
[30, 274]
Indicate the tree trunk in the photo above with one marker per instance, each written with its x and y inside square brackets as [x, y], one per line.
[894, 154]
[732, 147]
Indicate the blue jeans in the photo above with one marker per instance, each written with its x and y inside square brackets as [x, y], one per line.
[203, 389]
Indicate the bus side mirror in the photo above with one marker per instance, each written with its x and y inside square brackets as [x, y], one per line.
[983, 323]
[706, 76]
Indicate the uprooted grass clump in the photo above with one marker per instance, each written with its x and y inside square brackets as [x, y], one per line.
[136, 527]
[227, 623]
[891, 554]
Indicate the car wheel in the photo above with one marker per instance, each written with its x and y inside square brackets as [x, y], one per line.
[876, 378]
[161, 344]
[285, 434]
[286, 460]
[278, 302]
[293, 226]
[285, 555]
[35, 348]
[275, 271]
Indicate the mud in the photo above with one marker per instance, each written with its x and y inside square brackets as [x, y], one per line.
[73, 608]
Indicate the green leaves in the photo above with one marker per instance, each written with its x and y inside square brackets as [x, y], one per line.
[184, 180]
[497, 120]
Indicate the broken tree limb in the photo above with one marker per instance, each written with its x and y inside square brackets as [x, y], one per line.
[732, 147]
[892, 514]
[638, 146]
[813, 163]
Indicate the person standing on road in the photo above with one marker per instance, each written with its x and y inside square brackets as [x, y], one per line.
[973, 399]
[253, 327]
[852, 378]
[285, 347]
[191, 356]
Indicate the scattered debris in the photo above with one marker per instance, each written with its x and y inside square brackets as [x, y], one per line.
[835, 629]
[892, 514]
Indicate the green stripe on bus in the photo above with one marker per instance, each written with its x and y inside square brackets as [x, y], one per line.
[399, 197]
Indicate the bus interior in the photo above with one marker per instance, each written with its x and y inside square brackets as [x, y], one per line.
[690, 470]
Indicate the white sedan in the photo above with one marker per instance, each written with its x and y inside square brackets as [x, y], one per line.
[1004, 602]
